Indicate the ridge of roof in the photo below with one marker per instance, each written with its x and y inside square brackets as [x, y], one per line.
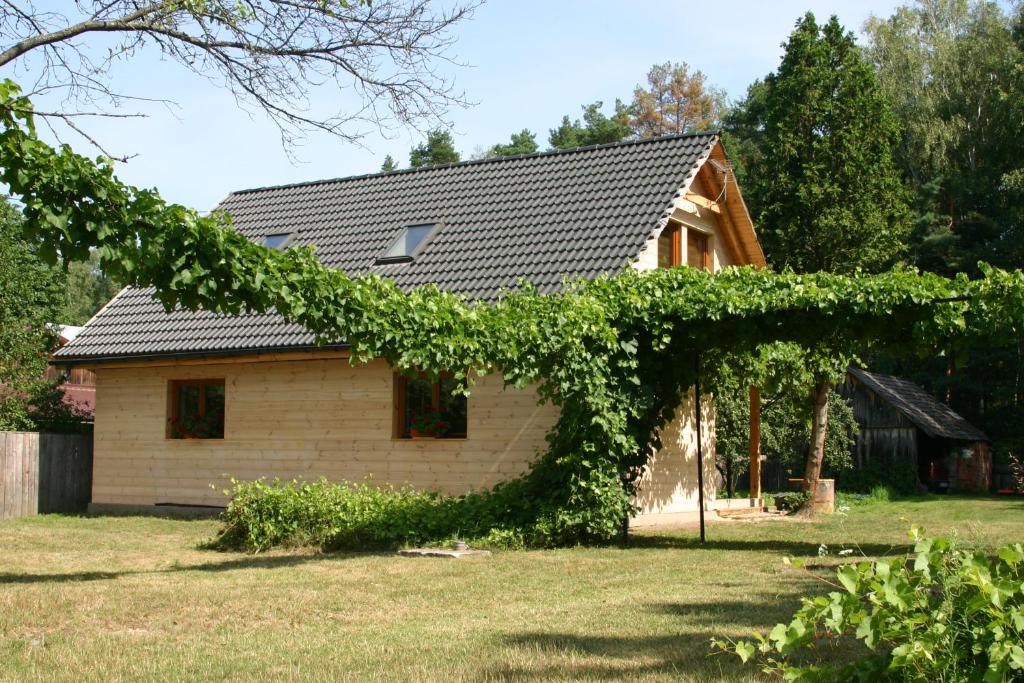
[476, 162]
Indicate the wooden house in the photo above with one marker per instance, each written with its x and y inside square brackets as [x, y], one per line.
[184, 399]
[901, 423]
[77, 383]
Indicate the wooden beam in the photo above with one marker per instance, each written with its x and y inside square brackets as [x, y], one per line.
[703, 201]
[755, 442]
[273, 357]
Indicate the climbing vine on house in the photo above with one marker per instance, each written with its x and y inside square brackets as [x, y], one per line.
[607, 352]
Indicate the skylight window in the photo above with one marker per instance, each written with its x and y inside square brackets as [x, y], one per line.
[410, 242]
[277, 240]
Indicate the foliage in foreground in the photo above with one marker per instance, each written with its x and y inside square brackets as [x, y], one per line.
[351, 516]
[944, 614]
[609, 353]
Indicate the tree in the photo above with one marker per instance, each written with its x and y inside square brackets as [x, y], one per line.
[439, 148]
[743, 132]
[825, 189]
[270, 54]
[675, 101]
[954, 72]
[88, 289]
[821, 177]
[523, 142]
[783, 372]
[595, 129]
[389, 165]
[32, 300]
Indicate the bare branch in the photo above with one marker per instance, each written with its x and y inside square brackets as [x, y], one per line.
[270, 54]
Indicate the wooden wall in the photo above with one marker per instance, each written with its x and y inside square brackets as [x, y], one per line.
[882, 428]
[302, 418]
[312, 417]
[670, 484]
[42, 473]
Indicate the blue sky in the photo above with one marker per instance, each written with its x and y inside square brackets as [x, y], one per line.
[530, 63]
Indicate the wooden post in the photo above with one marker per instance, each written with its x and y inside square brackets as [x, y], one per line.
[755, 442]
[700, 450]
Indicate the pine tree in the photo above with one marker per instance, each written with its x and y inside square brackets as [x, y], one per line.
[595, 129]
[523, 142]
[389, 165]
[675, 101]
[825, 190]
[439, 148]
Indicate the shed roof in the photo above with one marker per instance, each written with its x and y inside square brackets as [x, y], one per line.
[542, 217]
[935, 418]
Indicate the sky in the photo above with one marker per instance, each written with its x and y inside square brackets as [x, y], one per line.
[528, 64]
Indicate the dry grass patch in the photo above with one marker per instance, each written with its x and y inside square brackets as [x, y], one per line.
[134, 598]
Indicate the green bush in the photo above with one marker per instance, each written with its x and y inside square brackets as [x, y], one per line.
[896, 474]
[335, 516]
[942, 614]
[791, 501]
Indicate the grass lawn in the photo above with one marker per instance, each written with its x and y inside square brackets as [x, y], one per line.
[134, 598]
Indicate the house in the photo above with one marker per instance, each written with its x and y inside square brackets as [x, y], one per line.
[184, 399]
[903, 425]
[78, 383]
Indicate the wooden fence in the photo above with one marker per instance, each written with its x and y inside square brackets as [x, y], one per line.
[44, 473]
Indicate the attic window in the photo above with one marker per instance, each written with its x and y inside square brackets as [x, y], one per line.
[410, 242]
[277, 240]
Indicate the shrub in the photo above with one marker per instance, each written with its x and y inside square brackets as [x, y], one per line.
[942, 614]
[791, 501]
[880, 494]
[897, 474]
[336, 516]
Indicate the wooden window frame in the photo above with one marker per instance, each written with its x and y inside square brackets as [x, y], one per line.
[174, 404]
[398, 427]
[675, 234]
[708, 263]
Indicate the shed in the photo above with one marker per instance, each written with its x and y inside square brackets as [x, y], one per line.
[902, 424]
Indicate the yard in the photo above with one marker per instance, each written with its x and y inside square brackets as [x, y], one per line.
[131, 598]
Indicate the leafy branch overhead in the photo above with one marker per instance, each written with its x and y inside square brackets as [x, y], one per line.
[382, 57]
[605, 351]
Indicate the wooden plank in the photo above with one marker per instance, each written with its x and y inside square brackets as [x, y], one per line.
[755, 442]
[280, 357]
[31, 464]
[4, 449]
[5, 460]
[703, 202]
[49, 488]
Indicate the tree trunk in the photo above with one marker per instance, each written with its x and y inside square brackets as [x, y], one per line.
[819, 427]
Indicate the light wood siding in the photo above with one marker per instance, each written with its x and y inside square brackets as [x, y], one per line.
[670, 484]
[299, 419]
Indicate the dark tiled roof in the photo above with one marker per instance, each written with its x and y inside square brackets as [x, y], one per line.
[543, 217]
[934, 417]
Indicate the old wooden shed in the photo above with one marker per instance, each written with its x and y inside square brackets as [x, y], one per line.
[901, 423]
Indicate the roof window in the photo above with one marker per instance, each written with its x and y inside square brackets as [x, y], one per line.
[412, 240]
[277, 240]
